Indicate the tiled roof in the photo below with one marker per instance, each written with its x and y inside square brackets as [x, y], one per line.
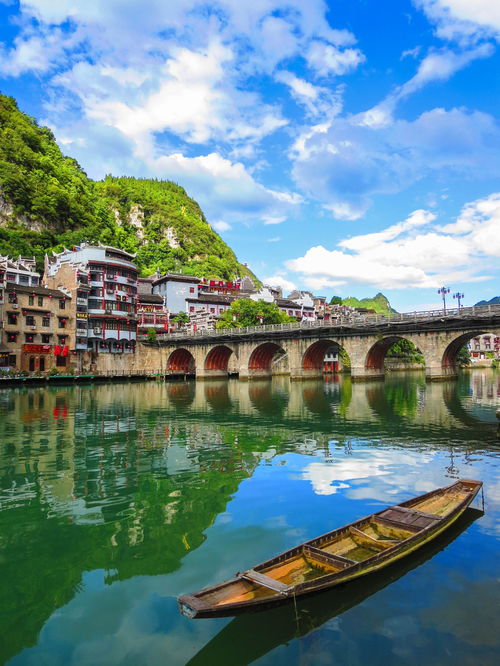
[38, 291]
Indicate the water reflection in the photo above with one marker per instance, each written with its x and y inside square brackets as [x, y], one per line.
[176, 480]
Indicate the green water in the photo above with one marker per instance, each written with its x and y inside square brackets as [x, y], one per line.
[117, 498]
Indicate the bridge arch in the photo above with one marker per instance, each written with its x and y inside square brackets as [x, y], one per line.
[218, 358]
[449, 359]
[377, 353]
[181, 361]
[263, 357]
[314, 356]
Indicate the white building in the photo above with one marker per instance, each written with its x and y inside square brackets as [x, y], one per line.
[103, 284]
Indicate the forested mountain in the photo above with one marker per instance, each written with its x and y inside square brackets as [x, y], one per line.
[379, 303]
[47, 201]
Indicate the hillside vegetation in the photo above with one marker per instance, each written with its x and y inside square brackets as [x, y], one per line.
[47, 201]
[379, 303]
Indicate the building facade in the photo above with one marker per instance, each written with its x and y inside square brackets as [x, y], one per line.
[102, 281]
[484, 346]
[38, 329]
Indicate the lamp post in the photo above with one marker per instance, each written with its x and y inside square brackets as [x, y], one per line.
[459, 297]
[443, 291]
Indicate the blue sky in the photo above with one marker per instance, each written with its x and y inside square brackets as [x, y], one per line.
[342, 146]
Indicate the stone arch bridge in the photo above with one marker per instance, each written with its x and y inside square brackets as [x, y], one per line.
[298, 349]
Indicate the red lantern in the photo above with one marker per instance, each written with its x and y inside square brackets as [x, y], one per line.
[65, 350]
[57, 350]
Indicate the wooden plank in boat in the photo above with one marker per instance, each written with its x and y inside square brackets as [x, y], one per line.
[265, 581]
[409, 517]
[328, 558]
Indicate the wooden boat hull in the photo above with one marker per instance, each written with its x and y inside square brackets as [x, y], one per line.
[339, 556]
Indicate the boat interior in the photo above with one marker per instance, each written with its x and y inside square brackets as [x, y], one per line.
[341, 549]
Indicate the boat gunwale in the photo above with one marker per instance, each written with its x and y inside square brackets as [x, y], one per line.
[207, 609]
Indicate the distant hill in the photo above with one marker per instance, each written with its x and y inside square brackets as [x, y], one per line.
[493, 301]
[379, 303]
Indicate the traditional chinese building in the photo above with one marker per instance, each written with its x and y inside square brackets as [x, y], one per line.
[103, 283]
[38, 329]
[152, 314]
[484, 346]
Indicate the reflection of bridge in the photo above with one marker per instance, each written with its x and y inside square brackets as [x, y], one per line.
[298, 349]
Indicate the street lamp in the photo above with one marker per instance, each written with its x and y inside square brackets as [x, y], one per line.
[443, 291]
[459, 297]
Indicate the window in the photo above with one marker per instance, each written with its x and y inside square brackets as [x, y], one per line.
[24, 279]
[61, 339]
[191, 308]
[46, 321]
[11, 337]
[11, 277]
[40, 301]
[62, 322]
[35, 281]
[11, 318]
[30, 320]
[12, 360]
[61, 361]
[31, 300]
[62, 304]
[191, 290]
[212, 309]
[46, 338]
[12, 297]
[29, 337]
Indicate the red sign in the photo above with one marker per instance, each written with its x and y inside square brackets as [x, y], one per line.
[37, 349]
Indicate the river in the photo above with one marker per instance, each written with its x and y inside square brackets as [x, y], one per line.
[117, 498]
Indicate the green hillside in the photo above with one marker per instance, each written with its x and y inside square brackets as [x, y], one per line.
[47, 201]
[379, 303]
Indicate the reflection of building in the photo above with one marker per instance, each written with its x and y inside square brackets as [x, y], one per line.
[485, 346]
[103, 283]
[38, 328]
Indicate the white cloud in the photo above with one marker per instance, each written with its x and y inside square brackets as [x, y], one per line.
[280, 281]
[276, 239]
[269, 219]
[318, 100]
[464, 20]
[403, 256]
[220, 226]
[342, 163]
[326, 59]
[441, 66]
[436, 66]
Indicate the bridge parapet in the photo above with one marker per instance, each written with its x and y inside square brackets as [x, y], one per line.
[428, 319]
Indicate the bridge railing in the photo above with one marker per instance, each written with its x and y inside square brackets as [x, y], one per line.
[341, 321]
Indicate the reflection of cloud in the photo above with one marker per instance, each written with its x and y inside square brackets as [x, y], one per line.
[375, 465]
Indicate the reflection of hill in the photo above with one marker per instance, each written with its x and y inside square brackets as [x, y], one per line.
[111, 497]
[269, 629]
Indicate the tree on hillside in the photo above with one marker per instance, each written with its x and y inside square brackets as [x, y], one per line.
[336, 300]
[246, 312]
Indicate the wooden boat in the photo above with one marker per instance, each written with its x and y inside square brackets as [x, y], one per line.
[336, 557]
[290, 621]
